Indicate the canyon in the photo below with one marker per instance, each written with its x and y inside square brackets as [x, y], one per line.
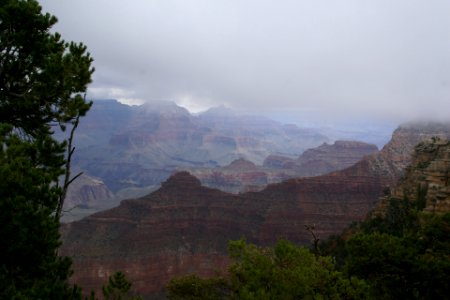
[184, 227]
[132, 149]
[140, 146]
[243, 176]
[127, 151]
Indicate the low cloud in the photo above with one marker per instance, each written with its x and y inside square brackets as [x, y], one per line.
[379, 58]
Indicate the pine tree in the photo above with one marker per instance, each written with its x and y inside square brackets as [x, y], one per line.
[118, 288]
[42, 83]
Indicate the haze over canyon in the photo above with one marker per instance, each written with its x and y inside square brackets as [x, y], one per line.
[197, 182]
[126, 151]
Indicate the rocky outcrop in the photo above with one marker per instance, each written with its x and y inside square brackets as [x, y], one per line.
[239, 176]
[86, 195]
[397, 154]
[87, 192]
[427, 178]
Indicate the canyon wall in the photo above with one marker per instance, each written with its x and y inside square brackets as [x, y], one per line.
[184, 227]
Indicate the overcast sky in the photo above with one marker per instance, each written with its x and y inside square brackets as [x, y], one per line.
[387, 58]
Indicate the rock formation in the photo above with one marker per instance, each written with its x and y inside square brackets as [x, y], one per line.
[141, 146]
[184, 227]
[427, 178]
[239, 176]
[85, 196]
[323, 159]
[327, 158]
[87, 192]
[243, 176]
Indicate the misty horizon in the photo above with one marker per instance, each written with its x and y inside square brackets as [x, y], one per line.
[375, 60]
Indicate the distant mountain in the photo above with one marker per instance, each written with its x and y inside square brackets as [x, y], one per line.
[87, 192]
[376, 133]
[323, 159]
[184, 227]
[105, 118]
[239, 176]
[85, 196]
[140, 146]
[242, 175]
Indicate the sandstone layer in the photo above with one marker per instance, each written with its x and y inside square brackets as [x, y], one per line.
[185, 227]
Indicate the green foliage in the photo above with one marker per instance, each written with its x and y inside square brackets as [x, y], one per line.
[42, 79]
[193, 287]
[400, 218]
[118, 288]
[433, 261]
[403, 254]
[41, 75]
[285, 271]
[334, 246]
[29, 265]
[408, 267]
[386, 261]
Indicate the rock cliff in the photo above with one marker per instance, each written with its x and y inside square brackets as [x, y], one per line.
[427, 178]
[396, 155]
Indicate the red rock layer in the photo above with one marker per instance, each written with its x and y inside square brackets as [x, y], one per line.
[185, 227]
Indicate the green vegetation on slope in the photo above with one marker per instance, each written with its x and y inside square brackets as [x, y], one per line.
[403, 249]
[404, 254]
[285, 271]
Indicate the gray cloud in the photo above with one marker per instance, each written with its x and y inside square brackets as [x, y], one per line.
[345, 57]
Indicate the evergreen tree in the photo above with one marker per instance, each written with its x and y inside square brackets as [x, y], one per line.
[118, 288]
[42, 82]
